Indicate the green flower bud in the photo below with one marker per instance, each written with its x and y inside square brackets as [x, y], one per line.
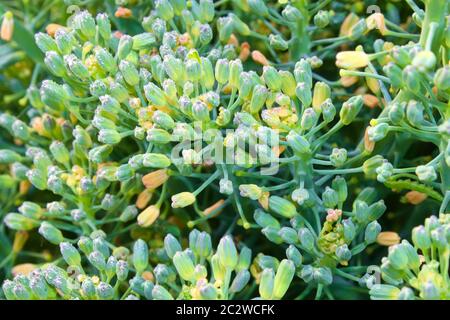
[85, 23]
[240, 281]
[164, 9]
[271, 78]
[20, 222]
[394, 73]
[321, 19]
[55, 63]
[236, 70]
[378, 132]
[140, 256]
[207, 73]
[161, 293]
[106, 60]
[411, 78]
[292, 14]
[200, 111]
[421, 238]
[143, 41]
[251, 191]
[222, 71]
[258, 7]
[9, 156]
[371, 164]
[309, 119]
[272, 234]
[414, 113]
[37, 178]
[103, 26]
[193, 70]
[303, 92]
[288, 83]
[184, 265]
[330, 198]
[171, 245]
[156, 160]
[45, 42]
[50, 233]
[245, 257]
[129, 72]
[350, 109]
[265, 220]
[104, 291]
[294, 255]
[278, 43]
[109, 136]
[282, 207]
[424, 60]
[298, 143]
[349, 230]
[124, 47]
[53, 95]
[76, 67]
[371, 232]
[383, 292]
[306, 238]
[60, 152]
[122, 270]
[426, 173]
[289, 235]
[154, 94]
[283, 278]
[158, 136]
[442, 78]
[70, 254]
[227, 253]
[343, 253]
[359, 29]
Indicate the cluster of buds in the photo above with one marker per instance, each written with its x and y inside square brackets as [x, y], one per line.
[418, 271]
[319, 252]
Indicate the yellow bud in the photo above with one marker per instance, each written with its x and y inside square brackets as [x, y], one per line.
[264, 200]
[348, 24]
[376, 21]
[352, 59]
[155, 179]
[20, 238]
[147, 217]
[388, 238]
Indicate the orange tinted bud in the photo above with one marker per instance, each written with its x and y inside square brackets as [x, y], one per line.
[376, 21]
[368, 144]
[245, 51]
[415, 197]
[370, 100]
[24, 186]
[233, 40]
[147, 275]
[144, 198]
[24, 268]
[388, 238]
[258, 57]
[348, 24]
[155, 179]
[213, 209]
[7, 28]
[52, 28]
[348, 81]
[122, 12]
[147, 217]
